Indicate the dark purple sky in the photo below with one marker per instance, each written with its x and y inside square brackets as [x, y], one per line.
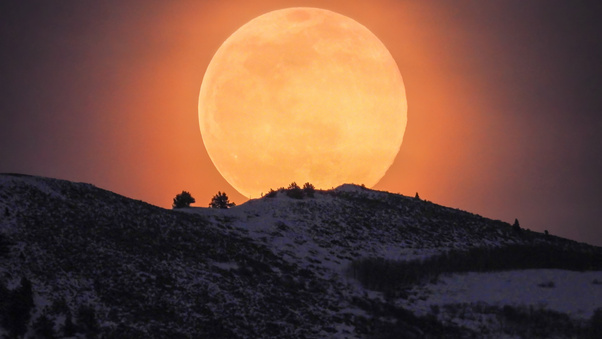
[504, 97]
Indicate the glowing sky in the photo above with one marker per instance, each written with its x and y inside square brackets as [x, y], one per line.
[504, 104]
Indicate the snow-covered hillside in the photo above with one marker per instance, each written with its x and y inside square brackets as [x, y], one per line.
[347, 263]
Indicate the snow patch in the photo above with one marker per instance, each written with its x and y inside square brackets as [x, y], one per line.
[570, 292]
[226, 266]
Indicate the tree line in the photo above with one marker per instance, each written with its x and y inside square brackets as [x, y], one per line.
[221, 200]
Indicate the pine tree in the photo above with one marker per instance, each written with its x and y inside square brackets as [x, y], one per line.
[595, 324]
[87, 322]
[69, 328]
[220, 200]
[294, 191]
[183, 199]
[4, 246]
[19, 305]
[44, 327]
[309, 189]
[516, 226]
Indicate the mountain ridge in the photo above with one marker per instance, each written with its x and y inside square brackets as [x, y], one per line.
[271, 267]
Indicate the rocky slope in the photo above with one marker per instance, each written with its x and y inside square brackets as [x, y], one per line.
[79, 261]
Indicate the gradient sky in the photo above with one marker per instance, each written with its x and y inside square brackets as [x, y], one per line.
[504, 97]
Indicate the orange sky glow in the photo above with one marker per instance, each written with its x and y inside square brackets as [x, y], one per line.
[116, 89]
[441, 141]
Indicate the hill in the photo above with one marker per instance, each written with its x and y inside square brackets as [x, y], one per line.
[80, 261]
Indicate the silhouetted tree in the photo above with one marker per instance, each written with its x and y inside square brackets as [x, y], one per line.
[69, 328]
[4, 248]
[183, 199]
[19, 305]
[44, 327]
[309, 189]
[417, 197]
[4, 301]
[220, 200]
[516, 226]
[595, 324]
[294, 191]
[271, 193]
[87, 322]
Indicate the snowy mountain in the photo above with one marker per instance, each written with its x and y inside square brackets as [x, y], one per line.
[79, 261]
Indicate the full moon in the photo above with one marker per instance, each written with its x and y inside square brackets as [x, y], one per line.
[302, 95]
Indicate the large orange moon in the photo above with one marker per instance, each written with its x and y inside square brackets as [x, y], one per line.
[304, 95]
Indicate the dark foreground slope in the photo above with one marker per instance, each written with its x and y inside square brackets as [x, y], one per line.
[76, 260]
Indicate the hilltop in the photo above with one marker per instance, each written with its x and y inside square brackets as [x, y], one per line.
[80, 261]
